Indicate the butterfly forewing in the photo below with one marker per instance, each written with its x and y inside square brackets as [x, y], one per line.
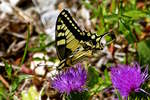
[66, 33]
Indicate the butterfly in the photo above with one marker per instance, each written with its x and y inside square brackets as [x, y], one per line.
[73, 44]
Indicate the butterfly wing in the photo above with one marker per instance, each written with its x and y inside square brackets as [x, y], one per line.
[67, 32]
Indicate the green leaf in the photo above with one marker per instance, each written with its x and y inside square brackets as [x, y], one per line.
[133, 2]
[37, 59]
[101, 28]
[17, 80]
[111, 18]
[126, 30]
[42, 47]
[95, 82]
[104, 83]
[135, 14]
[79, 96]
[31, 94]
[137, 28]
[114, 6]
[93, 77]
[3, 93]
[87, 4]
[8, 69]
[144, 52]
[118, 95]
[107, 78]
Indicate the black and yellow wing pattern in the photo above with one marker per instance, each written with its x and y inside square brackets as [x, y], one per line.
[73, 44]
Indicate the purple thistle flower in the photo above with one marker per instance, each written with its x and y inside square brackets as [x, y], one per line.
[128, 78]
[73, 79]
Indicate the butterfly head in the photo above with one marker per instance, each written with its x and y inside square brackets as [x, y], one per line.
[104, 40]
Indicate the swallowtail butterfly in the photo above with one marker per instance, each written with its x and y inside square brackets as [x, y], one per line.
[73, 44]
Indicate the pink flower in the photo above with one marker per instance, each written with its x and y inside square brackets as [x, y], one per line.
[71, 80]
[127, 78]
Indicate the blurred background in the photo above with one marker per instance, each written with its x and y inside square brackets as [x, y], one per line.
[28, 58]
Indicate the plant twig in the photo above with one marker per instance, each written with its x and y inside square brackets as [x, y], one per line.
[4, 82]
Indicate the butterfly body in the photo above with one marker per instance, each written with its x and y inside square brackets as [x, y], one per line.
[73, 44]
